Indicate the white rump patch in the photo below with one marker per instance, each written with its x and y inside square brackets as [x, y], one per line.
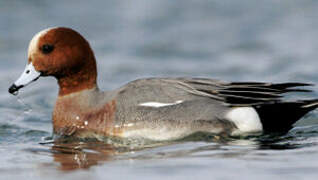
[246, 119]
[159, 104]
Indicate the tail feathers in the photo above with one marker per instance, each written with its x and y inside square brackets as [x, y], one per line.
[289, 85]
[280, 116]
[313, 104]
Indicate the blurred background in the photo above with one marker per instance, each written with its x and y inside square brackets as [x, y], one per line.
[244, 40]
[232, 40]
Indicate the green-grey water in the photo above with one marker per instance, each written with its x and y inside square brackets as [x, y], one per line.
[231, 40]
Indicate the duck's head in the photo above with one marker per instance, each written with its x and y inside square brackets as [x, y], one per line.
[62, 53]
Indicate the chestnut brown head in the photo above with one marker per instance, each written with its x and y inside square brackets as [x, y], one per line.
[62, 53]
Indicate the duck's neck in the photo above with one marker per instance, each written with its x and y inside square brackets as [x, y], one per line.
[74, 84]
[79, 79]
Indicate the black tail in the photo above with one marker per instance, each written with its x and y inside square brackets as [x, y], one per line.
[280, 116]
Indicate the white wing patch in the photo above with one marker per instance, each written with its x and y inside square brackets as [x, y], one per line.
[246, 119]
[159, 104]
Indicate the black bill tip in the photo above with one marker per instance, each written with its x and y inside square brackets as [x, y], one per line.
[14, 89]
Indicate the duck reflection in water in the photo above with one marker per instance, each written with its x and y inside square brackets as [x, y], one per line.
[83, 155]
[79, 155]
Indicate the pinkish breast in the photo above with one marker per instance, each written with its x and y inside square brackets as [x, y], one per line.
[74, 120]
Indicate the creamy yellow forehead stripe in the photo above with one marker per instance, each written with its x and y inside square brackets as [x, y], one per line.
[35, 40]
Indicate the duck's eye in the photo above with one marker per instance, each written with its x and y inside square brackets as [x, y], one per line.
[47, 48]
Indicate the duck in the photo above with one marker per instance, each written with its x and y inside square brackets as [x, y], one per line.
[153, 108]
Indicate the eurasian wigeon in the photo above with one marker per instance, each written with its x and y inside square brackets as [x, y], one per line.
[152, 108]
